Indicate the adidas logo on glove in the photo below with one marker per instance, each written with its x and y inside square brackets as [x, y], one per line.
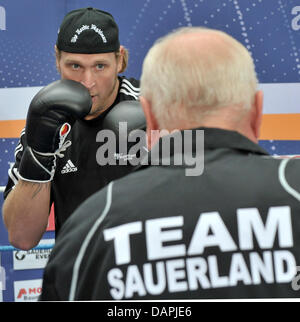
[69, 167]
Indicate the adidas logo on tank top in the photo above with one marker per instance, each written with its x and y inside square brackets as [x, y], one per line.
[69, 167]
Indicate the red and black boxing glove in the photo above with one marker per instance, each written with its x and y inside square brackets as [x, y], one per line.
[50, 116]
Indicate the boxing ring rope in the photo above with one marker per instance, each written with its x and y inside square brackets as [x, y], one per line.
[5, 248]
[11, 248]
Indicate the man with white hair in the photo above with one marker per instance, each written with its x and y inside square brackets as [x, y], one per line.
[166, 231]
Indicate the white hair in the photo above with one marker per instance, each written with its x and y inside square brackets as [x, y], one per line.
[188, 82]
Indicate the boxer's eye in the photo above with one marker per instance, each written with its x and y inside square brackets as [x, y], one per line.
[75, 66]
[100, 66]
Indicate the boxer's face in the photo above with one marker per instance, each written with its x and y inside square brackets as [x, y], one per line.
[97, 72]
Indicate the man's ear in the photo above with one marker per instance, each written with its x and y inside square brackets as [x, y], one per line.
[121, 58]
[57, 58]
[258, 112]
[152, 125]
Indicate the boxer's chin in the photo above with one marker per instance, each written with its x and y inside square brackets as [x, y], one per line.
[95, 110]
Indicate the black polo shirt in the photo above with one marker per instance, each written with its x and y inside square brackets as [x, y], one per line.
[231, 232]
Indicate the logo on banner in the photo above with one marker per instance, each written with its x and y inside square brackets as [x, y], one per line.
[296, 20]
[32, 259]
[27, 291]
[20, 255]
[2, 18]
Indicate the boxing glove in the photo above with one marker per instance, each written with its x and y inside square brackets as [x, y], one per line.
[126, 121]
[129, 112]
[50, 116]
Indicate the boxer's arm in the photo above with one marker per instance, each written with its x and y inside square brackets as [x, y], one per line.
[23, 198]
[25, 213]
[27, 205]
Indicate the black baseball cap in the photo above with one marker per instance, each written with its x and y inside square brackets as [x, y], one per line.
[88, 31]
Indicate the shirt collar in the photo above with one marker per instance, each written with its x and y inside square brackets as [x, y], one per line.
[212, 138]
[218, 138]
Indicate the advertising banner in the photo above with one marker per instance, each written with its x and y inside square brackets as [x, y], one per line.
[27, 291]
